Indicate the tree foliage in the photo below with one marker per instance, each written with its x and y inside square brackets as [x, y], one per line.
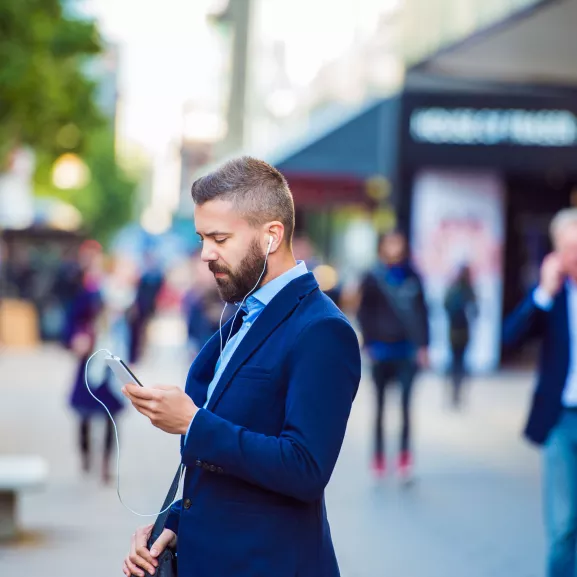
[107, 200]
[43, 87]
[48, 102]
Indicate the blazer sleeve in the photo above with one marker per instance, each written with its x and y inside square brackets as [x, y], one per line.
[324, 377]
[525, 322]
[173, 517]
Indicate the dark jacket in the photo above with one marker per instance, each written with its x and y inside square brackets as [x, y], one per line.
[552, 327]
[461, 306]
[380, 319]
[259, 456]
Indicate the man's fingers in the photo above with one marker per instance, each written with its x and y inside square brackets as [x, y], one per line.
[133, 569]
[144, 405]
[126, 569]
[145, 559]
[147, 413]
[141, 549]
[167, 537]
[139, 556]
[146, 394]
[163, 387]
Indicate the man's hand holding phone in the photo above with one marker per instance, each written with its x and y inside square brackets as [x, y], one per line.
[168, 407]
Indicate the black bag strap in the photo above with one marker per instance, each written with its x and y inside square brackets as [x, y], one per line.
[158, 527]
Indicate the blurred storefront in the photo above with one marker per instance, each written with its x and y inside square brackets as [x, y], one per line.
[483, 169]
[491, 114]
[473, 173]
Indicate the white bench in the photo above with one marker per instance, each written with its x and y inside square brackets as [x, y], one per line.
[17, 473]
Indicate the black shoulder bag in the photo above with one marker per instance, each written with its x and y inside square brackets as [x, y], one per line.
[167, 559]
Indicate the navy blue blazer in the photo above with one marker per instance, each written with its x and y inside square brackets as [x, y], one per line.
[260, 456]
[552, 327]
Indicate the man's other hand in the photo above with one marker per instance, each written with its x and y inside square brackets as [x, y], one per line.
[140, 557]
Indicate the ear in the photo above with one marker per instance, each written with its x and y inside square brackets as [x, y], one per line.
[275, 231]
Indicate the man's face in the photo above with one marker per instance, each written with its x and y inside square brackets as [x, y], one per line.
[566, 246]
[231, 248]
[393, 248]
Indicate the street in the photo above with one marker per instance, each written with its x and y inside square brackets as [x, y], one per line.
[474, 510]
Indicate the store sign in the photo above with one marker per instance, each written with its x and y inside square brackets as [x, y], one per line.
[490, 127]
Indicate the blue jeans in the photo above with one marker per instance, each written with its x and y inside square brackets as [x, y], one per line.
[560, 486]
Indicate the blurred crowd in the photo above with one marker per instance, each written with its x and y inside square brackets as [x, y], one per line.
[90, 300]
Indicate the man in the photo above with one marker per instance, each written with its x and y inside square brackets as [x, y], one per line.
[394, 323]
[550, 312]
[262, 422]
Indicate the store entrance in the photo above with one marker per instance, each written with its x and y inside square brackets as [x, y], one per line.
[530, 206]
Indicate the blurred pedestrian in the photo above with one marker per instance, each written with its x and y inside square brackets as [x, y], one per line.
[94, 325]
[461, 307]
[144, 307]
[394, 322]
[67, 285]
[550, 312]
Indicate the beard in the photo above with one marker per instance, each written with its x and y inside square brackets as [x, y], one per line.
[238, 284]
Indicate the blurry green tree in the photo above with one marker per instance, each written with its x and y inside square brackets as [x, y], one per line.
[106, 199]
[48, 102]
[43, 88]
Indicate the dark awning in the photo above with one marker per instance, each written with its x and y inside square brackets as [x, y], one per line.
[331, 163]
[360, 145]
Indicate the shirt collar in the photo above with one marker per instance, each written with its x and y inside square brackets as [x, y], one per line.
[267, 292]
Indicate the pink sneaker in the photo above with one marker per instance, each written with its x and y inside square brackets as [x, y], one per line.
[379, 466]
[405, 467]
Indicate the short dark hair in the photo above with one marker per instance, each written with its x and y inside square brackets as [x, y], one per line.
[258, 191]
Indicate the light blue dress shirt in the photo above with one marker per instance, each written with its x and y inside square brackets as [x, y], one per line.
[254, 305]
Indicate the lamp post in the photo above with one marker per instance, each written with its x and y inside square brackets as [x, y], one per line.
[236, 13]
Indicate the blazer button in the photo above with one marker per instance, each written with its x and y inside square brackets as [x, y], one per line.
[212, 468]
[219, 470]
[198, 463]
[187, 503]
[206, 466]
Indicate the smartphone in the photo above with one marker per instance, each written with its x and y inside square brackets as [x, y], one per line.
[121, 370]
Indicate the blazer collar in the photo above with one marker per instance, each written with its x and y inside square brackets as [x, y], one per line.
[275, 313]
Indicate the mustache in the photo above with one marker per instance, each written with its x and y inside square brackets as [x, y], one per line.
[214, 268]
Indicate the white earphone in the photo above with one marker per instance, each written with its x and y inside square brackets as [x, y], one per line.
[269, 243]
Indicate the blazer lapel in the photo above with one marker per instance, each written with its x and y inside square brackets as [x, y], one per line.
[279, 309]
[203, 367]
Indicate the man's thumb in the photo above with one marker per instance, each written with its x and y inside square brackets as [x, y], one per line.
[167, 537]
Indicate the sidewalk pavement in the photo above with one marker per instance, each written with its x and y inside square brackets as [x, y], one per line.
[473, 512]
